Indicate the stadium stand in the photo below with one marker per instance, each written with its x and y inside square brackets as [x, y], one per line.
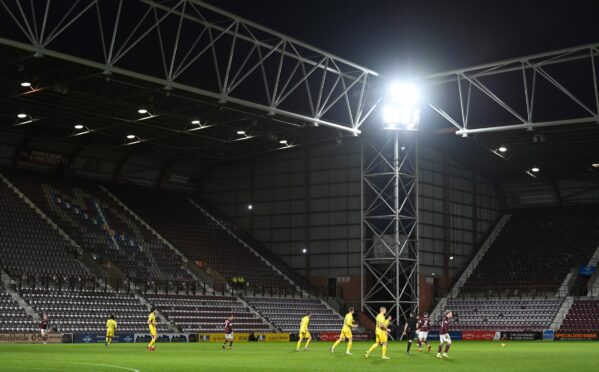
[583, 316]
[87, 310]
[206, 313]
[198, 237]
[102, 227]
[285, 312]
[14, 318]
[29, 245]
[536, 249]
[503, 314]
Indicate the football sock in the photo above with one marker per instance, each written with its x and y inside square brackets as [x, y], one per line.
[447, 348]
[419, 343]
[307, 343]
[299, 343]
[349, 344]
[409, 345]
[440, 348]
[384, 353]
[231, 344]
[152, 342]
[372, 348]
[336, 343]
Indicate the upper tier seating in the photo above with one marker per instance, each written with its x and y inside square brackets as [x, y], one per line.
[29, 244]
[502, 314]
[286, 313]
[206, 313]
[13, 318]
[198, 237]
[538, 247]
[87, 311]
[583, 316]
[102, 227]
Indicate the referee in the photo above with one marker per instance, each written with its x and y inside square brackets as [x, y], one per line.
[409, 330]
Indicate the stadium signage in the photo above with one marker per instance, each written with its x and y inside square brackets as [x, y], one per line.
[521, 336]
[548, 334]
[93, 338]
[455, 335]
[480, 335]
[333, 336]
[576, 336]
[243, 337]
[31, 338]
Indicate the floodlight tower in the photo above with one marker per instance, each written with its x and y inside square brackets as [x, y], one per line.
[390, 207]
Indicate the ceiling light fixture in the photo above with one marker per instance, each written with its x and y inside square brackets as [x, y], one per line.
[22, 116]
[25, 84]
[130, 136]
[534, 169]
[502, 149]
[78, 126]
[142, 111]
[241, 132]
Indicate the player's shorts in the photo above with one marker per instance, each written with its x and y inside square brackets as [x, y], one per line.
[411, 335]
[153, 331]
[422, 335]
[43, 332]
[445, 338]
[229, 336]
[109, 333]
[304, 334]
[381, 336]
[345, 333]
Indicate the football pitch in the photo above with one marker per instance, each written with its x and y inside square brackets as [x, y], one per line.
[465, 356]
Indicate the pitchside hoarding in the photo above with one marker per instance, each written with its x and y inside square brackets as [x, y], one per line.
[243, 337]
[34, 338]
[93, 338]
[576, 336]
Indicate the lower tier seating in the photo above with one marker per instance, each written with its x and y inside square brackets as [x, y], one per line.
[286, 313]
[583, 316]
[14, 318]
[72, 311]
[206, 313]
[503, 314]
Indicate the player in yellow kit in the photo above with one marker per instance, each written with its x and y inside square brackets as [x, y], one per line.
[381, 334]
[304, 334]
[110, 328]
[153, 331]
[348, 324]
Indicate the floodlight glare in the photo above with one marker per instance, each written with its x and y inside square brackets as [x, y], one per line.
[401, 111]
[25, 84]
[142, 111]
[250, 207]
[195, 122]
[535, 169]
[502, 149]
[595, 165]
[78, 126]
[130, 136]
[241, 132]
[22, 116]
[304, 251]
[283, 142]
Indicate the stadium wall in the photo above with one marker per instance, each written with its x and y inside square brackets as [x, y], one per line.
[310, 198]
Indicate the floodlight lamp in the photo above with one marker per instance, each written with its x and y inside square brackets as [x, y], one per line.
[250, 207]
[22, 116]
[595, 165]
[535, 169]
[502, 149]
[130, 136]
[142, 111]
[304, 250]
[241, 132]
[195, 122]
[25, 84]
[400, 110]
[78, 126]
[283, 142]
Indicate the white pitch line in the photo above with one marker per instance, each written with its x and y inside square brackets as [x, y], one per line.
[105, 365]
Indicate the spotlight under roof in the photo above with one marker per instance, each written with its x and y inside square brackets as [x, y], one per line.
[79, 126]
[25, 84]
[534, 169]
[241, 132]
[22, 116]
[502, 149]
[595, 165]
[283, 142]
[130, 136]
[195, 122]
[142, 111]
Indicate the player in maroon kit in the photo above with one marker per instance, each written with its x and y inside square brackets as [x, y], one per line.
[43, 326]
[424, 325]
[229, 332]
[444, 335]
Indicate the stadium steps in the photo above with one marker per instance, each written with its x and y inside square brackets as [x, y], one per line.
[154, 232]
[242, 242]
[562, 312]
[479, 255]
[84, 257]
[593, 283]
[7, 284]
[164, 320]
[257, 313]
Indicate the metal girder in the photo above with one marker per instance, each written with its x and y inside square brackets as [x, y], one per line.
[527, 90]
[390, 255]
[192, 46]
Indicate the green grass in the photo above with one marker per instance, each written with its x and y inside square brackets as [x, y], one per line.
[465, 356]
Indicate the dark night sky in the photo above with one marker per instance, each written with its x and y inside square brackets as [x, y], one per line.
[425, 36]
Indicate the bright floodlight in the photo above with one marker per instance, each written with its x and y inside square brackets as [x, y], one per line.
[535, 169]
[25, 84]
[502, 149]
[595, 165]
[130, 136]
[241, 132]
[250, 207]
[401, 111]
[195, 122]
[78, 126]
[22, 116]
[304, 251]
[283, 142]
[142, 111]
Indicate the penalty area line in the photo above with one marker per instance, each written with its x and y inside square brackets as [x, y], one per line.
[104, 365]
